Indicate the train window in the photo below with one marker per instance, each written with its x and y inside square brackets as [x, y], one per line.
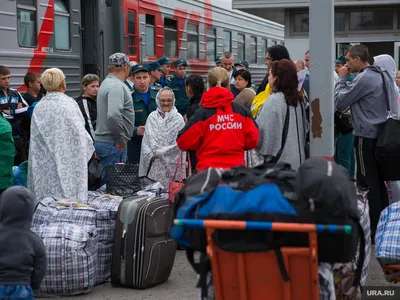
[241, 48]
[170, 37]
[150, 35]
[371, 20]
[192, 41]
[227, 41]
[26, 2]
[26, 23]
[61, 25]
[300, 22]
[131, 32]
[211, 44]
[253, 50]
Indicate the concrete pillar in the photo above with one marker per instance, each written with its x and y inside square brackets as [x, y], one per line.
[322, 44]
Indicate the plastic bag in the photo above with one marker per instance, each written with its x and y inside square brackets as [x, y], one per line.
[94, 175]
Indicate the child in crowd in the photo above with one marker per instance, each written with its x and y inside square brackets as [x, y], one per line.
[23, 259]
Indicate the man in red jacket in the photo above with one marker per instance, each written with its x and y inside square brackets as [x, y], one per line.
[220, 131]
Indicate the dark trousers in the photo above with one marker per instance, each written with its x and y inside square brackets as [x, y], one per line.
[368, 176]
[21, 149]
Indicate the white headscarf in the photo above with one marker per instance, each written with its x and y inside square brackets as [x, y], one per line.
[159, 109]
[386, 62]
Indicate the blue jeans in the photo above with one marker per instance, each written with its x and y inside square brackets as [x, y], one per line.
[16, 292]
[109, 155]
[344, 154]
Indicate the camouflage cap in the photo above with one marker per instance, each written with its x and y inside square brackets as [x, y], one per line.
[118, 60]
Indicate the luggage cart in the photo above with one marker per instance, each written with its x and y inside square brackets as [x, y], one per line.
[256, 275]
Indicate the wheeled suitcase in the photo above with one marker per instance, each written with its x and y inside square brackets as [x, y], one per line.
[144, 253]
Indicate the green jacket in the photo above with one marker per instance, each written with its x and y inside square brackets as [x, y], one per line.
[181, 99]
[7, 153]
[163, 83]
[141, 113]
[129, 86]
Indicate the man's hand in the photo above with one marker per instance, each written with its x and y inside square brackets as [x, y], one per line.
[19, 105]
[140, 131]
[121, 146]
[6, 111]
[344, 71]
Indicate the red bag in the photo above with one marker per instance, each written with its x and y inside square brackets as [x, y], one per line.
[175, 186]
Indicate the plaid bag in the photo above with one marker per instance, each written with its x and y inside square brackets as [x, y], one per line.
[344, 273]
[71, 257]
[387, 237]
[100, 212]
[107, 209]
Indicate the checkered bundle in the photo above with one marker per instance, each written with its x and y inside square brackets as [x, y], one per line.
[363, 209]
[387, 237]
[100, 212]
[71, 256]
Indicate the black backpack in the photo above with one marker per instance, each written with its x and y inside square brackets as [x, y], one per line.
[327, 195]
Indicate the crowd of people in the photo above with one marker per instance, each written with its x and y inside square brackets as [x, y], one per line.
[140, 115]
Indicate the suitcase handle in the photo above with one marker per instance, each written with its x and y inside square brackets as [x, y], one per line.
[268, 226]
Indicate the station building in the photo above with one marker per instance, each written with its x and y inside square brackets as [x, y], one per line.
[374, 23]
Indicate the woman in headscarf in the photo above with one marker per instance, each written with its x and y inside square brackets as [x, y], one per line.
[387, 63]
[60, 147]
[160, 154]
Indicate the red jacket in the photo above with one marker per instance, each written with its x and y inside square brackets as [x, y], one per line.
[220, 131]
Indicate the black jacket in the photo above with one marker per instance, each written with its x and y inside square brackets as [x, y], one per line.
[10, 103]
[22, 253]
[263, 84]
[194, 105]
[91, 110]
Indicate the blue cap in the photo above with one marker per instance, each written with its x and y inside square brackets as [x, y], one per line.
[140, 68]
[218, 60]
[242, 63]
[154, 66]
[341, 60]
[180, 63]
[164, 61]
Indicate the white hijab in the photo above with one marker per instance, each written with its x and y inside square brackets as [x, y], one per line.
[159, 142]
[386, 62]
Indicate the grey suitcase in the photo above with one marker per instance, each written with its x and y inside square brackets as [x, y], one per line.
[144, 253]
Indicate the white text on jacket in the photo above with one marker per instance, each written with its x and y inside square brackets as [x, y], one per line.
[226, 122]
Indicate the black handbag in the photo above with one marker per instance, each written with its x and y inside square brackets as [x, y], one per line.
[123, 179]
[387, 150]
[94, 174]
[343, 122]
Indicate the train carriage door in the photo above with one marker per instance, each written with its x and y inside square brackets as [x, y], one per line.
[132, 30]
[90, 37]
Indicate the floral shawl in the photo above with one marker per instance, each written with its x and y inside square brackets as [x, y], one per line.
[59, 149]
[159, 144]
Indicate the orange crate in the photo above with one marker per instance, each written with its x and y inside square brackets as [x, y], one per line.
[256, 275]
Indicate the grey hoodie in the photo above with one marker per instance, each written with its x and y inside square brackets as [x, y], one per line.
[22, 253]
[366, 99]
